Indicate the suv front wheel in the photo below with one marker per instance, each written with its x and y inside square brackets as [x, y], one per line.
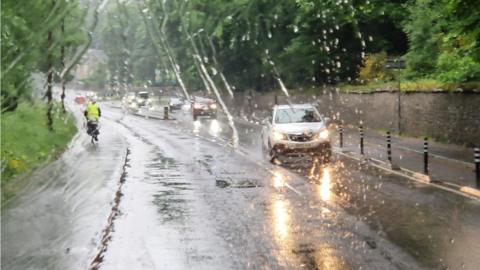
[271, 153]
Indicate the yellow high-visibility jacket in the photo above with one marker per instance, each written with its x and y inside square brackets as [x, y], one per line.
[93, 111]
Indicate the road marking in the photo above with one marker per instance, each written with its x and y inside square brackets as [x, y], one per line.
[471, 191]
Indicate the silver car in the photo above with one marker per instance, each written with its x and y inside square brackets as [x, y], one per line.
[296, 129]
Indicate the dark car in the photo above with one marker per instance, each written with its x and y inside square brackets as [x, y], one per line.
[176, 103]
[203, 107]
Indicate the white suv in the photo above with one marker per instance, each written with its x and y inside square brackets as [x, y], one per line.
[296, 128]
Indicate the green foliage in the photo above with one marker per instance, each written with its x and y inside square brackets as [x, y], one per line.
[254, 42]
[453, 68]
[423, 85]
[24, 33]
[423, 28]
[369, 86]
[444, 40]
[304, 42]
[131, 53]
[97, 79]
[374, 68]
[26, 141]
[426, 85]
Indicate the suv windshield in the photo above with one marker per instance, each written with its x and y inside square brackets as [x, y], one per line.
[297, 115]
[143, 95]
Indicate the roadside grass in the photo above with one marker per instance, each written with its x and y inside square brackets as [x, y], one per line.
[368, 87]
[423, 85]
[26, 142]
[407, 86]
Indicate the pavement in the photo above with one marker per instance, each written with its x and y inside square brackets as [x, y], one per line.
[157, 194]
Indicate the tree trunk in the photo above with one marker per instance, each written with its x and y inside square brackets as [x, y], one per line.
[48, 94]
[62, 56]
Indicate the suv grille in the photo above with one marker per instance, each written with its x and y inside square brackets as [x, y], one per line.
[300, 138]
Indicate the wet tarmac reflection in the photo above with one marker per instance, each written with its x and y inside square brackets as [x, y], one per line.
[278, 180]
[196, 126]
[325, 185]
[281, 218]
[293, 237]
[214, 128]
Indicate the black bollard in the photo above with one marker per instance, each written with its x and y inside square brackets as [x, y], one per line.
[361, 138]
[389, 147]
[425, 155]
[476, 151]
[340, 129]
[276, 100]
[165, 113]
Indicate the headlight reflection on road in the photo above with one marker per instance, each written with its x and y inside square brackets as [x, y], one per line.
[281, 219]
[278, 180]
[325, 185]
[196, 126]
[214, 127]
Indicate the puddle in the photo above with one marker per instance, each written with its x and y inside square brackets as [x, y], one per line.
[171, 205]
[306, 254]
[206, 165]
[222, 183]
[303, 249]
[237, 183]
[178, 185]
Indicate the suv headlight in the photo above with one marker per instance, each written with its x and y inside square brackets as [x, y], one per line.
[323, 135]
[279, 136]
[213, 106]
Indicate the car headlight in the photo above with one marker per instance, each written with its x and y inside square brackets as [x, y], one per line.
[197, 106]
[279, 136]
[213, 106]
[323, 135]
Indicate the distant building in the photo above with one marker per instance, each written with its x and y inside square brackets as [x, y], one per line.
[89, 63]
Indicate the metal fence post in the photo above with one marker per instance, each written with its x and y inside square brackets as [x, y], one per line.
[165, 113]
[340, 128]
[361, 137]
[389, 147]
[476, 151]
[425, 155]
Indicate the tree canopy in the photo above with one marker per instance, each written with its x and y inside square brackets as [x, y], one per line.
[25, 32]
[247, 44]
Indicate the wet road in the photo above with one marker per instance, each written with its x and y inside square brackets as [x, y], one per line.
[188, 201]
